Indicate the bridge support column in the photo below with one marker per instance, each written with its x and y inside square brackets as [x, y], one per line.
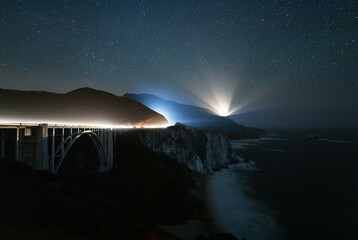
[2, 144]
[106, 164]
[31, 148]
[52, 162]
[41, 159]
[17, 155]
[63, 142]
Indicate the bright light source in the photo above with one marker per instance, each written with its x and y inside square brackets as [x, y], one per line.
[224, 112]
[217, 96]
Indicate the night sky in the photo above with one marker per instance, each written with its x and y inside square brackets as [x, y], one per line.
[260, 55]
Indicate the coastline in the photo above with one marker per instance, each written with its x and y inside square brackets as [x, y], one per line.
[145, 195]
[194, 228]
[236, 211]
[211, 226]
[233, 205]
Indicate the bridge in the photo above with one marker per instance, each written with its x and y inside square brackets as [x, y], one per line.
[45, 146]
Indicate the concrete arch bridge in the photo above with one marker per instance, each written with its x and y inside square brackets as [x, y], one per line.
[45, 146]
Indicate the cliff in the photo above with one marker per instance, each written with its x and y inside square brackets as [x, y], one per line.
[142, 190]
[85, 105]
[199, 150]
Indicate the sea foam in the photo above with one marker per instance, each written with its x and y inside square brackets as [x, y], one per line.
[235, 211]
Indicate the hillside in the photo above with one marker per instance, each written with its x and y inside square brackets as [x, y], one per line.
[195, 116]
[84, 105]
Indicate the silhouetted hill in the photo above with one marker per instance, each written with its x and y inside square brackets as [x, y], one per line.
[84, 105]
[195, 116]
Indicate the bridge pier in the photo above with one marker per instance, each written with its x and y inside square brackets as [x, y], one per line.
[106, 164]
[17, 155]
[2, 149]
[63, 142]
[42, 156]
[31, 146]
[52, 161]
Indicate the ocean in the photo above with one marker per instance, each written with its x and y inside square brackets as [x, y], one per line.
[292, 188]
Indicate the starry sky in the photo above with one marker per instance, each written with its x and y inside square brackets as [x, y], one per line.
[294, 54]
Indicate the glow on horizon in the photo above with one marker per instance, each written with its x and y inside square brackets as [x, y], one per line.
[223, 111]
[217, 97]
[223, 107]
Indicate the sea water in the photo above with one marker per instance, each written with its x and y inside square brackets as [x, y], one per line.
[292, 188]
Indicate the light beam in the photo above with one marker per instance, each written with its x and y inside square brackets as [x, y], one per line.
[217, 96]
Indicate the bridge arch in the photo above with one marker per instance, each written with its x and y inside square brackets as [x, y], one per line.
[45, 146]
[71, 140]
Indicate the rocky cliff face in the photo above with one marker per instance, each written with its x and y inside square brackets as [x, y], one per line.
[199, 150]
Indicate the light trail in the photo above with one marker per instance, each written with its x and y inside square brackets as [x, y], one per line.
[25, 123]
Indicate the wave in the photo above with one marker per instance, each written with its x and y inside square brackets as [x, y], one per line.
[236, 212]
[243, 143]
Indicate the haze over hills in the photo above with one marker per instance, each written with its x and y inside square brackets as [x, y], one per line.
[195, 116]
[84, 105]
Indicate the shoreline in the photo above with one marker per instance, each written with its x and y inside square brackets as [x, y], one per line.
[236, 211]
[144, 194]
[233, 204]
[195, 228]
[208, 227]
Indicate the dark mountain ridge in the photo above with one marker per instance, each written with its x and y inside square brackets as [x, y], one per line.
[84, 105]
[195, 116]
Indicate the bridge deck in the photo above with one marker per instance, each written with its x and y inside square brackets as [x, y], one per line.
[25, 125]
